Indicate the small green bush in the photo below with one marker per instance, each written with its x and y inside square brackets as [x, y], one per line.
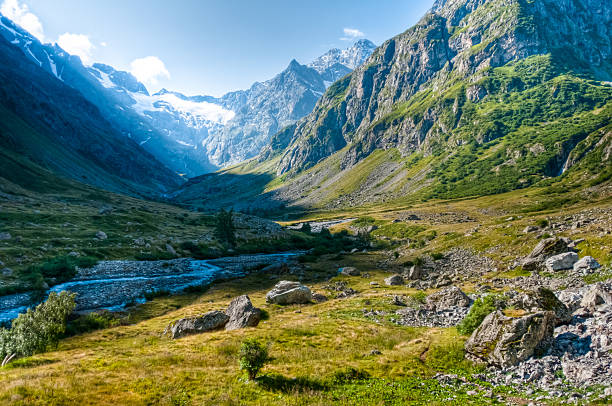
[91, 322]
[480, 309]
[253, 356]
[347, 375]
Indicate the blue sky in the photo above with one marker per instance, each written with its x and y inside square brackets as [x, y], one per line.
[206, 46]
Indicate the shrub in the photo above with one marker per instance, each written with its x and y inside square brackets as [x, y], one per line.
[253, 356]
[349, 374]
[36, 330]
[479, 310]
[91, 322]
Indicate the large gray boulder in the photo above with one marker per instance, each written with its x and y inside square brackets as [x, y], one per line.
[586, 265]
[242, 313]
[349, 271]
[544, 250]
[448, 298]
[503, 341]
[542, 299]
[561, 262]
[598, 294]
[394, 280]
[210, 321]
[287, 292]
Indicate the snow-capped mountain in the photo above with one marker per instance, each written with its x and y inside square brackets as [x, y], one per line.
[198, 134]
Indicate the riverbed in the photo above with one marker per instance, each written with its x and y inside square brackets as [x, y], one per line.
[112, 285]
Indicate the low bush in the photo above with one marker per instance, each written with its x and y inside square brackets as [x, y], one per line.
[481, 308]
[253, 356]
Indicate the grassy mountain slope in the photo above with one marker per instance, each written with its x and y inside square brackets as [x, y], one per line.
[480, 97]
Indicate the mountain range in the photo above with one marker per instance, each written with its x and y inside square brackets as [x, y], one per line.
[198, 134]
[479, 97]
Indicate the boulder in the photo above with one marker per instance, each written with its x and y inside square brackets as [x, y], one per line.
[242, 313]
[448, 298]
[5, 236]
[530, 229]
[101, 235]
[561, 261]
[545, 249]
[319, 298]
[287, 292]
[414, 273]
[542, 299]
[394, 280]
[207, 322]
[586, 265]
[503, 341]
[599, 294]
[7, 272]
[349, 271]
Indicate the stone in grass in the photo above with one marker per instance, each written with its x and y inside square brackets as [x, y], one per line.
[210, 321]
[394, 280]
[101, 235]
[319, 298]
[5, 236]
[242, 314]
[349, 271]
[586, 265]
[287, 292]
[561, 261]
[503, 341]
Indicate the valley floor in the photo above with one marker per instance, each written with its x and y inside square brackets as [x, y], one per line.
[347, 350]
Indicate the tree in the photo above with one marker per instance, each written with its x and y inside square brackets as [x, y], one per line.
[253, 356]
[225, 230]
[36, 330]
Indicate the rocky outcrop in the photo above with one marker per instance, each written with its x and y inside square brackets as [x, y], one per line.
[242, 314]
[210, 321]
[445, 308]
[545, 249]
[504, 341]
[287, 292]
[448, 298]
[541, 299]
[394, 280]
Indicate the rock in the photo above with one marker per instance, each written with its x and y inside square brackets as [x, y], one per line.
[1, 263]
[349, 271]
[139, 241]
[170, 250]
[5, 236]
[530, 229]
[375, 352]
[397, 301]
[242, 314]
[545, 249]
[394, 280]
[598, 294]
[503, 341]
[319, 298]
[414, 273]
[371, 228]
[105, 210]
[586, 265]
[74, 254]
[374, 283]
[7, 272]
[207, 322]
[287, 292]
[448, 298]
[561, 261]
[542, 299]
[101, 235]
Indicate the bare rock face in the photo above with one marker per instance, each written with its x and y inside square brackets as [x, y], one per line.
[448, 298]
[242, 313]
[598, 294]
[561, 261]
[503, 341]
[287, 292]
[210, 321]
[394, 280]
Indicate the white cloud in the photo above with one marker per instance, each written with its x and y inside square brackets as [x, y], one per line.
[103, 44]
[351, 34]
[149, 70]
[77, 44]
[20, 14]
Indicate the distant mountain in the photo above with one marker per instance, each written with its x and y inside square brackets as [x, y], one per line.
[48, 123]
[479, 97]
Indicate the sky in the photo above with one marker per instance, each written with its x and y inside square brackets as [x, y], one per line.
[209, 47]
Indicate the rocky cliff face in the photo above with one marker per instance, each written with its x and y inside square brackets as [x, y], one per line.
[457, 41]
